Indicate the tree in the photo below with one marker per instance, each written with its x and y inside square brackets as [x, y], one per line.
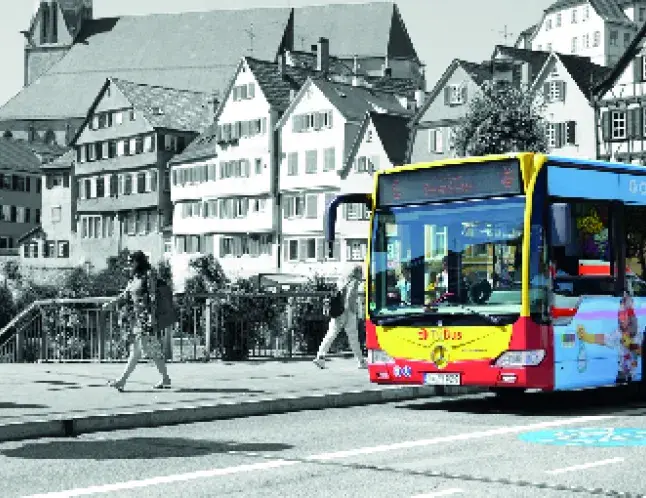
[500, 119]
[7, 134]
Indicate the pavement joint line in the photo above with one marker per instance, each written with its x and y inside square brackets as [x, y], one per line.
[520, 483]
[188, 414]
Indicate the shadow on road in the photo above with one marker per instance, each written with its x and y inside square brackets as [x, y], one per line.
[16, 406]
[56, 382]
[589, 402]
[223, 390]
[137, 448]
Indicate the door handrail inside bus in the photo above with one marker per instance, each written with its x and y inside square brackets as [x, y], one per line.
[330, 214]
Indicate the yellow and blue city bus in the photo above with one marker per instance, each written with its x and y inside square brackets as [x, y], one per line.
[508, 271]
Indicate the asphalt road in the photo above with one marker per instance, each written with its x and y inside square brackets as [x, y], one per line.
[464, 447]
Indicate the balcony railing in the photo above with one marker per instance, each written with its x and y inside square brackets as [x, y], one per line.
[230, 326]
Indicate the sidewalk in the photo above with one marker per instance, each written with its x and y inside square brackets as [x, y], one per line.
[53, 400]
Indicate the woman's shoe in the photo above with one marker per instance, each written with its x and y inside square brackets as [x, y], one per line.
[164, 384]
[117, 385]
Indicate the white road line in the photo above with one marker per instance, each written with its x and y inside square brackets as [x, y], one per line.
[277, 463]
[445, 492]
[468, 436]
[584, 466]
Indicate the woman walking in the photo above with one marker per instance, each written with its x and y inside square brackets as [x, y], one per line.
[139, 296]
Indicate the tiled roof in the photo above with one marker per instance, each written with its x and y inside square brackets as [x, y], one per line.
[203, 147]
[62, 162]
[193, 50]
[359, 28]
[354, 101]
[608, 10]
[275, 87]
[479, 71]
[17, 155]
[535, 58]
[393, 132]
[585, 74]
[307, 60]
[196, 50]
[163, 107]
[528, 31]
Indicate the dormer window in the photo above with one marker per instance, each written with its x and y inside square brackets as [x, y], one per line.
[455, 94]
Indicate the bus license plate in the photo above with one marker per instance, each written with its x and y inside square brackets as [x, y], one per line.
[442, 379]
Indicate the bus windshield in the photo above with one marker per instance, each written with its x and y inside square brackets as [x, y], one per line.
[458, 259]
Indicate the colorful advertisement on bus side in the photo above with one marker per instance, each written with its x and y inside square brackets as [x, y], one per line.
[602, 345]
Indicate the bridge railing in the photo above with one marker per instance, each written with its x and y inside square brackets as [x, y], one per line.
[231, 325]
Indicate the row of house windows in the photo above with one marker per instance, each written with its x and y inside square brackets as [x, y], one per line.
[574, 16]
[230, 208]
[6, 242]
[309, 249]
[113, 185]
[623, 124]
[141, 222]
[57, 180]
[237, 168]
[18, 214]
[194, 175]
[311, 161]
[311, 121]
[230, 132]
[51, 249]
[128, 146]
[240, 168]
[19, 183]
[560, 134]
[306, 206]
[108, 119]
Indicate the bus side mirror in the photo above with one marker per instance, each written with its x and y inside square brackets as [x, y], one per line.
[329, 223]
[561, 224]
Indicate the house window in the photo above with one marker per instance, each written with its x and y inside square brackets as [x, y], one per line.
[258, 167]
[329, 159]
[549, 47]
[618, 124]
[596, 39]
[586, 12]
[56, 214]
[548, 24]
[455, 94]
[574, 45]
[63, 249]
[551, 135]
[436, 141]
[642, 14]
[292, 250]
[554, 91]
[356, 249]
[37, 216]
[586, 40]
[574, 12]
[614, 38]
[558, 20]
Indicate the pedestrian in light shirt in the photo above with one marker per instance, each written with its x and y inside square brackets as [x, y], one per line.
[347, 320]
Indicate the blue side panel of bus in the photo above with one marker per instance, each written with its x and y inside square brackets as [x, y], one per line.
[601, 345]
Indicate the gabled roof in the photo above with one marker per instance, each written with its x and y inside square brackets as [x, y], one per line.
[17, 155]
[199, 50]
[393, 134]
[629, 54]
[608, 10]
[535, 58]
[307, 60]
[167, 108]
[203, 147]
[479, 72]
[66, 161]
[585, 73]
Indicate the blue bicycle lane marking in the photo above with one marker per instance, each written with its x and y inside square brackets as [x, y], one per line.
[592, 437]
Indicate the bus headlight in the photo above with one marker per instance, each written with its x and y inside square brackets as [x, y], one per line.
[529, 358]
[379, 356]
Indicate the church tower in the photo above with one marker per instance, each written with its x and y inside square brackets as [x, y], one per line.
[53, 29]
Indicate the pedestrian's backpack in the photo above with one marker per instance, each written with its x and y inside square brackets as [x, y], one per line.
[337, 306]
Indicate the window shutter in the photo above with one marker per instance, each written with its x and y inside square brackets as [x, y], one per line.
[285, 250]
[320, 249]
[329, 118]
[295, 124]
[431, 140]
[638, 69]
[630, 123]
[312, 206]
[336, 250]
[345, 211]
[559, 135]
[464, 93]
[251, 92]
[546, 92]
[571, 132]
[638, 122]
[447, 95]
[302, 249]
[317, 120]
[66, 180]
[605, 125]
[375, 163]
[563, 87]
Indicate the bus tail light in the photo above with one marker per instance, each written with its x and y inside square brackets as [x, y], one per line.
[513, 359]
[379, 356]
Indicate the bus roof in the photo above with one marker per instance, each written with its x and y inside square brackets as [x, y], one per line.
[603, 165]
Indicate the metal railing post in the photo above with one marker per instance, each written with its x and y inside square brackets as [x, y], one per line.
[207, 326]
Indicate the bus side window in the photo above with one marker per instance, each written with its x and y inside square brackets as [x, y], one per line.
[635, 230]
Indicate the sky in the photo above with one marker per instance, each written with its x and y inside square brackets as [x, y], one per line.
[441, 30]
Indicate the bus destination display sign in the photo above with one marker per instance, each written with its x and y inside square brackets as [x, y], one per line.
[459, 181]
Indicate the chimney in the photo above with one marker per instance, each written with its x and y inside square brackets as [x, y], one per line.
[355, 70]
[323, 55]
[386, 70]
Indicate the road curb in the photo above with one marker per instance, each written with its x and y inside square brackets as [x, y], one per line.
[69, 427]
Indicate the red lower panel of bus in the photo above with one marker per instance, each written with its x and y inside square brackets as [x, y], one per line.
[526, 335]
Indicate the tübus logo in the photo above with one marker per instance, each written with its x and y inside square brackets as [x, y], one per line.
[439, 335]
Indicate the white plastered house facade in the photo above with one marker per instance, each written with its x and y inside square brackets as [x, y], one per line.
[233, 209]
